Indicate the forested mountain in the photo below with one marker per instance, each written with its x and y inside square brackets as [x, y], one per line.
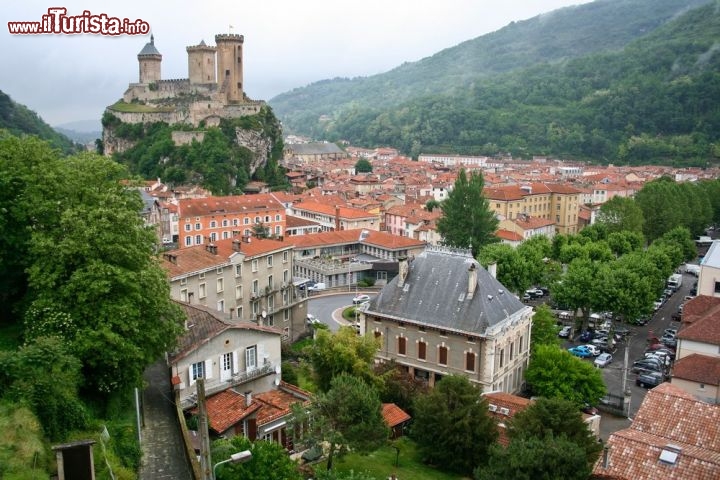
[570, 83]
[20, 120]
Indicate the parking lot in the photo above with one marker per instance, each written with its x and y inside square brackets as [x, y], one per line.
[618, 375]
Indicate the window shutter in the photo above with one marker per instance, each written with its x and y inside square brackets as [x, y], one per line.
[261, 354]
[208, 368]
[191, 380]
[235, 365]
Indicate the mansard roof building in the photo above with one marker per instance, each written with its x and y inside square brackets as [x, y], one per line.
[445, 314]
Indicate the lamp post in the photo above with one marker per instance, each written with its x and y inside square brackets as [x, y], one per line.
[239, 457]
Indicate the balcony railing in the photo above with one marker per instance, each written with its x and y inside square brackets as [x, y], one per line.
[215, 385]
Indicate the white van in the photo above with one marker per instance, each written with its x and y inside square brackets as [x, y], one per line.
[317, 287]
[692, 269]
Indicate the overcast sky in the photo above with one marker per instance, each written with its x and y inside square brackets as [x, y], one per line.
[288, 43]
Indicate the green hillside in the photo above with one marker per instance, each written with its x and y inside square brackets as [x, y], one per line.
[19, 120]
[657, 100]
[604, 25]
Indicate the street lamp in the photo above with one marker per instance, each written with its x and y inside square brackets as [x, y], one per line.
[239, 457]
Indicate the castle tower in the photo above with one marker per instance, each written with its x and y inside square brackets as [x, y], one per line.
[201, 63]
[149, 59]
[229, 66]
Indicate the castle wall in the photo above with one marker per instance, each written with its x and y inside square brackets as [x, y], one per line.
[186, 138]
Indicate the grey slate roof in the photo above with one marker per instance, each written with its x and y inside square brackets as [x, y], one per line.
[149, 48]
[435, 294]
[318, 148]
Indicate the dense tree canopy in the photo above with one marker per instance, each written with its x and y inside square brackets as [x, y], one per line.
[544, 331]
[347, 416]
[91, 273]
[342, 352]
[269, 460]
[555, 373]
[467, 221]
[452, 426]
[621, 214]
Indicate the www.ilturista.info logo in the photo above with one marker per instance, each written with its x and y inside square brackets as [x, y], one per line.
[58, 22]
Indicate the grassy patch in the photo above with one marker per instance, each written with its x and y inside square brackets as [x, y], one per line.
[381, 463]
[349, 314]
[11, 336]
[121, 106]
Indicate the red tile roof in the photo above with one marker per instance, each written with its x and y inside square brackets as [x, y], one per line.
[195, 207]
[340, 237]
[394, 415]
[192, 259]
[341, 211]
[228, 408]
[508, 235]
[698, 368]
[667, 417]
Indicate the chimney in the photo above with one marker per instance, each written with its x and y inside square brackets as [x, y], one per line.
[472, 281]
[492, 270]
[248, 398]
[170, 258]
[212, 248]
[402, 270]
[606, 456]
[246, 238]
[337, 218]
[236, 245]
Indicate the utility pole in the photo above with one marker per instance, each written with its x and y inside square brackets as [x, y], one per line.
[627, 394]
[205, 460]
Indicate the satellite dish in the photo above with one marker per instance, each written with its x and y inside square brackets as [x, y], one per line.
[277, 369]
[264, 314]
[277, 381]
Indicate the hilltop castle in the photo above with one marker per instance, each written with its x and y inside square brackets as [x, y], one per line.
[214, 89]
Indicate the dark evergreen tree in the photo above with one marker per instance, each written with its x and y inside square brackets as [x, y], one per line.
[468, 221]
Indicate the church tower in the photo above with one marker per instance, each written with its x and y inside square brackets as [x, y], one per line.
[229, 66]
[149, 59]
[201, 63]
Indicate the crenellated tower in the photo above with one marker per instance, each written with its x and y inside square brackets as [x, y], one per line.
[229, 66]
[149, 59]
[201, 63]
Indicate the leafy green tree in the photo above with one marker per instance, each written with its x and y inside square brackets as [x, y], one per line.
[398, 386]
[624, 289]
[431, 205]
[363, 166]
[46, 376]
[343, 352]
[468, 221]
[680, 237]
[543, 328]
[452, 426]
[621, 214]
[578, 286]
[625, 242]
[346, 417]
[269, 460]
[662, 210]
[556, 373]
[103, 274]
[513, 270]
[549, 458]
[555, 418]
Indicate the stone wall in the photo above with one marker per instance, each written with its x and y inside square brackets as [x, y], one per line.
[186, 138]
[254, 141]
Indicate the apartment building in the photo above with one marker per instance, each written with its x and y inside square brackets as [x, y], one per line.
[556, 202]
[246, 278]
[206, 220]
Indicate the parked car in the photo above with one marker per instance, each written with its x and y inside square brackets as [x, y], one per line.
[669, 340]
[580, 351]
[601, 342]
[623, 331]
[305, 285]
[586, 336]
[565, 332]
[594, 350]
[670, 331]
[317, 287]
[360, 299]
[534, 292]
[603, 360]
[657, 305]
[649, 379]
[647, 364]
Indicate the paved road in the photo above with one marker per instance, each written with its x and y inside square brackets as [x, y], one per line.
[325, 307]
[163, 454]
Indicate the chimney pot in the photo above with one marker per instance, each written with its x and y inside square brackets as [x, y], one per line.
[248, 398]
